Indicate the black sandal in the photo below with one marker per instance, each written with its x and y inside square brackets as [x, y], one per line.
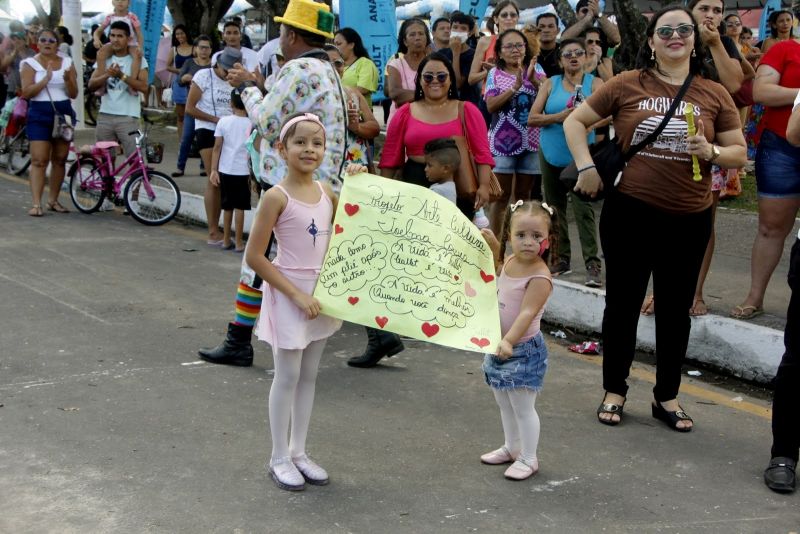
[672, 418]
[610, 409]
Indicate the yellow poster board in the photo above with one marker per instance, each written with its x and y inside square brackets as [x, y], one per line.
[405, 259]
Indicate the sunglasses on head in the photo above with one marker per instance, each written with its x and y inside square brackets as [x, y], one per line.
[441, 77]
[683, 31]
[569, 54]
[47, 40]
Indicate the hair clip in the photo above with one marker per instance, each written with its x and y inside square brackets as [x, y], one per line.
[515, 205]
[547, 208]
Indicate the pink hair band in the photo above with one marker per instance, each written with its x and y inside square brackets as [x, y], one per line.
[300, 118]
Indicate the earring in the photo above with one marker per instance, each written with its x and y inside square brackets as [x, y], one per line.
[652, 55]
[694, 54]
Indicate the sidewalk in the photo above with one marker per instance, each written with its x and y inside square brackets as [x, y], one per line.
[749, 349]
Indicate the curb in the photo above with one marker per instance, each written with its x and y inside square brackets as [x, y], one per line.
[739, 348]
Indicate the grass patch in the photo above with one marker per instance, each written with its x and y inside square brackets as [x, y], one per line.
[748, 200]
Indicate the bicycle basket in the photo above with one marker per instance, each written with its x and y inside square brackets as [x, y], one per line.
[154, 152]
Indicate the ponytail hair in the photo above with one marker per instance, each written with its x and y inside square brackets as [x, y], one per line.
[534, 208]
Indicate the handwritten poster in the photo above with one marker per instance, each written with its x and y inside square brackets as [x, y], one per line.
[405, 259]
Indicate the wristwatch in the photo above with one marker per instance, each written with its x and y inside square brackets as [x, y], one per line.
[714, 153]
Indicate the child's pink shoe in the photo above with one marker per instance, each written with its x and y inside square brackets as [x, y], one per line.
[312, 473]
[498, 457]
[520, 470]
[286, 475]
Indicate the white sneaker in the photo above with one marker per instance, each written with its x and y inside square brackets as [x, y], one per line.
[480, 220]
[107, 205]
[312, 473]
[286, 475]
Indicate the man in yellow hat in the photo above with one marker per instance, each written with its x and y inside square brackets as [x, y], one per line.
[306, 83]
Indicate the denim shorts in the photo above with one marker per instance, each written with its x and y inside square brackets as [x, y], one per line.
[777, 167]
[524, 369]
[525, 163]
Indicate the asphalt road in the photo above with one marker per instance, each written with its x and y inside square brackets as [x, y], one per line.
[109, 423]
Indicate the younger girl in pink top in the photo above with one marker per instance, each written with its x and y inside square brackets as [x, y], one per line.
[300, 212]
[516, 371]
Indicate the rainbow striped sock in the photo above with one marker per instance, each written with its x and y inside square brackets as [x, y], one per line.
[248, 305]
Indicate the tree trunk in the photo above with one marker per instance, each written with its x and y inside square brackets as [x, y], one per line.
[565, 13]
[199, 16]
[48, 21]
[632, 27]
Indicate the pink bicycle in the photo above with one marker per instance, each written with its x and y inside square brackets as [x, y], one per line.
[151, 197]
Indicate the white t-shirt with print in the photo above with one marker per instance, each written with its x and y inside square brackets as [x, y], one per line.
[220, 106]
[234, 131]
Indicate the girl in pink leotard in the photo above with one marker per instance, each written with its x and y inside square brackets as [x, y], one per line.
[299, 210]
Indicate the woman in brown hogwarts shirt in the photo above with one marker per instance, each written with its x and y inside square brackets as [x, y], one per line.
[658, 219]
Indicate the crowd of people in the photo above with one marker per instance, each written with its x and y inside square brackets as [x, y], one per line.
[531, 106]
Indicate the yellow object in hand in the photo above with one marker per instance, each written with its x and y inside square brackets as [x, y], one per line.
[692, 130]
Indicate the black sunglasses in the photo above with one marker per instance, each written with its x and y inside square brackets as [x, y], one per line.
[441, 77]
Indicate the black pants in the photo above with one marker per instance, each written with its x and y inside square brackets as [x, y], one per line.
[639, 240]
[786, 404]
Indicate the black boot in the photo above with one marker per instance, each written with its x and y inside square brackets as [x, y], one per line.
[235, 350]
[380, 344]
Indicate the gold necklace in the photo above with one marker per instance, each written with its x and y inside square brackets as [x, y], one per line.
[434, 106]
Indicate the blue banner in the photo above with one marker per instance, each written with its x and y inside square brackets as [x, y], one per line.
[476, 8]
[770, 7]
[151, 15]
[375, 22]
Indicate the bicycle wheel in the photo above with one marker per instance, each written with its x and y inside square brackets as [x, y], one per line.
[86, 186]
[155, 201]
[4, 148]
[19, 154]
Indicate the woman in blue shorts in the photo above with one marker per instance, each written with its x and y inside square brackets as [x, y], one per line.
[49, 81]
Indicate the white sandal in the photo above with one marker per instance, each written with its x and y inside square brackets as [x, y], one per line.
[286, 475]
[311, 472]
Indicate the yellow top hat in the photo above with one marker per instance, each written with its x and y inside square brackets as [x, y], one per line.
[310, 16]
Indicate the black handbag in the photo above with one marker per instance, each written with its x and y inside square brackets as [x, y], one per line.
[607, 155]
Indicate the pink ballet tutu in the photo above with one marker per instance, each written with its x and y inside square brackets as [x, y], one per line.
[283, 325]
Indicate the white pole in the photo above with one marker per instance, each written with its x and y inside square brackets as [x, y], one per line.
[71, 14]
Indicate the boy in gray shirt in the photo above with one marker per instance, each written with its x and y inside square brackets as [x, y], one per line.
[441, 163]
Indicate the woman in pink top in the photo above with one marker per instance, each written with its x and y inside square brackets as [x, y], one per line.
[434, 114]
[413, 43]
[300, 212]
[516, 371]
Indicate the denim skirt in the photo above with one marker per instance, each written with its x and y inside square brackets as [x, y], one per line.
[41, 118]
[524, 369]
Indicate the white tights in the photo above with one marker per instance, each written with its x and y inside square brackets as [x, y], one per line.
[520, 421]
[291, 398]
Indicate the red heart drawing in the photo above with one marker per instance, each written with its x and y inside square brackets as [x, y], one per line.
[338, 229]
[351, 209]
[469, 290]
[352, 300]
[482, 342]
[429, 329]
[486, 277]
[455, 277]
[381, 321]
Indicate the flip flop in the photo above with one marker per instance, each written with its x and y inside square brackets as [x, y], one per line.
[745, 313]
[694, 311]
[57, 207]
